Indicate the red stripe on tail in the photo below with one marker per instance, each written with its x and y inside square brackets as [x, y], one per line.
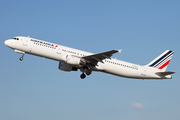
[164, 65]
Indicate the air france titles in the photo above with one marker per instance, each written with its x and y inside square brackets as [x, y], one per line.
[38, 42]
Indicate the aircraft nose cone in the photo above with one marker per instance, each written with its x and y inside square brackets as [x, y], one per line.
[7, 42]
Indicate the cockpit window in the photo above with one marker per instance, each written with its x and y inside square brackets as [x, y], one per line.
[16, 38]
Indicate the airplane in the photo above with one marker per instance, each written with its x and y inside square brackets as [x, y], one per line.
[71, 59]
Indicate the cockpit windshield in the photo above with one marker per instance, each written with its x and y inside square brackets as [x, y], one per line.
[16, 38]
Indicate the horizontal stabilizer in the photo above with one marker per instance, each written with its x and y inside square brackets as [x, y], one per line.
[165, 73]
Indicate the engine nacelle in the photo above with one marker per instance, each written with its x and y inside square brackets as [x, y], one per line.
[65, 67]
[73, 60]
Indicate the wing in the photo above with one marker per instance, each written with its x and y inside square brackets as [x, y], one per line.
[93, 59]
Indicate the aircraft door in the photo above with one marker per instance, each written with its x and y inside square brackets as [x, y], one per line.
[143, 72]
[58, 50]
[25, 41]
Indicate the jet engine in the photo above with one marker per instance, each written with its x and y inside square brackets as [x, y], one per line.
[65, 67]
[73, 60]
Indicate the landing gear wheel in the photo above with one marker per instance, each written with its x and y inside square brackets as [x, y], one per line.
[21, 58]
[83, 76]
[88, 72]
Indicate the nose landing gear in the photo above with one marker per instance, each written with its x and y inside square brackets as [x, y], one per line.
[21, 52]
[21, 58]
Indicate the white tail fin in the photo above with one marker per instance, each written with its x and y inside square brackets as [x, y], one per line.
[162, 61]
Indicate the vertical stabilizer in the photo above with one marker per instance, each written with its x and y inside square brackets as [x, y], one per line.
[162, 61]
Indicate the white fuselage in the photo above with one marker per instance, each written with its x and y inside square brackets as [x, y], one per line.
[56, 52]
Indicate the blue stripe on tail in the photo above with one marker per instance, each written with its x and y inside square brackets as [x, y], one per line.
[168, 53]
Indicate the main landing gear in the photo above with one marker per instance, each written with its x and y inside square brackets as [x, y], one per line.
[85, 70]
[83, 76]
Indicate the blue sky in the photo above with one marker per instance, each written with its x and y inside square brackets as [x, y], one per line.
[36, 89]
